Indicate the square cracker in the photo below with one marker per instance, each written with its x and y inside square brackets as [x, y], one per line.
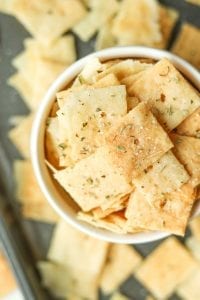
[61, 50]
[191, 125]
[46, 71]
[170, 96]
[99, 213]
[189, 289]
[143, 29]
[164, 176]
[195, 227]
[137, 141]
[118, 296]
[56, 279]
[6, 6]
[23, 86]
[187, 150]
[48, 19]
[72, 249]
[99, 14]
[165, 268]
[105, 38]
[124, 69]
[20, 135]
[107, 81]
[169, 213]
[121, 262]
[86, 121]
[28, 193]
[7, 280]
[187, 44]
[114, 222]
[197, 2]
[57, 150]
[194, 246]
[167, 19]
[94, 182]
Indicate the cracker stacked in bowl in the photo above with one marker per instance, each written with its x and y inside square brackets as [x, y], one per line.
[117, 141]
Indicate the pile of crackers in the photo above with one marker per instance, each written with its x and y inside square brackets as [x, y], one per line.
[47, 53]
[71, 272]
[113, 147]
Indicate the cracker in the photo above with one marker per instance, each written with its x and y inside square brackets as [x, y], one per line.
[162, 271]
[74, 252]
[167, 19]
[121, 262]
[20, 135]
[191, 125]
[56, 278]
[143, 29]
[196, 2]
[170, 213]
[46, 71]
[49, 19]
[164, 176]
[57, 151]
[132, 102]
[7, 280]
[6, 6]
[101, 12]
[86, 121]
[107, 81]
[187, 44]
[167, 92]
[124, 69]
[28, 193]
[195, 227]
[189, 289]
[136, 72]
[137, 141]
[105, 38]
[61, 50]
[94, 182]
[24, 62]
[114, 222]
[23, 86]
[187, 150]
[35, 67]
[194, 246]
[89, 72]
[118, 296]
[99, 213]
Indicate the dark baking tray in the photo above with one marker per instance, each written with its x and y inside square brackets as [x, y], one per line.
[26, 242]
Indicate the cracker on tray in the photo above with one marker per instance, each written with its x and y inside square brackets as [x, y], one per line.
[165, 268]
[187, 45]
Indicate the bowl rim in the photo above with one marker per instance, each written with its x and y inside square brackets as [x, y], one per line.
[38, 130]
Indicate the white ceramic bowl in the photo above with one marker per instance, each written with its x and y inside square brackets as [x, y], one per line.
[46, 182]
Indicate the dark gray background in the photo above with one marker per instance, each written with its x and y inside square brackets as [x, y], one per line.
[27, 241]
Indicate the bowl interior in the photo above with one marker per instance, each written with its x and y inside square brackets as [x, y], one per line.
[56, 196]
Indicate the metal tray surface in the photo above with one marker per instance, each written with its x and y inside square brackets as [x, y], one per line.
[26, 242]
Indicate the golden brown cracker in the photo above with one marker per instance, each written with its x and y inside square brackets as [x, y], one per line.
[28, 193]
[191, 125]
[187, 44]
[169, 213]
[162, 271]
[20, 135]
[143, 29]
[7, 280]
[121, 262]
[170, 96]
[137, 141]
[49, 19]
[187, 150]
